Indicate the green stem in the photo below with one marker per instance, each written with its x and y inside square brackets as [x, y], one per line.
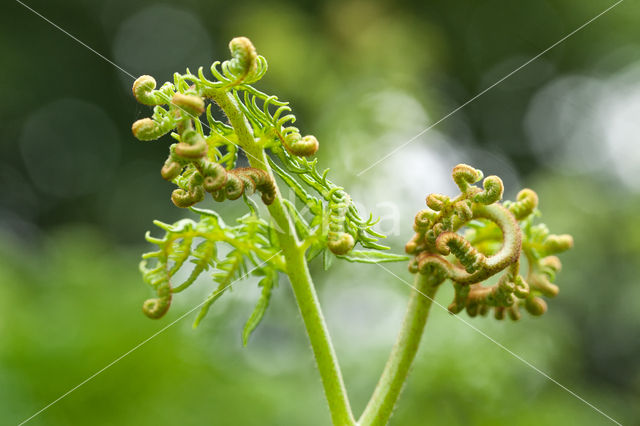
[297, 271]
[387, 391]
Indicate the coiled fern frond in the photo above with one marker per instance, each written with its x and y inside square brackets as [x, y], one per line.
[472, 237]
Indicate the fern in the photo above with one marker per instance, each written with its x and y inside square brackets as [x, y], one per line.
[467, 239]
[203, 160]
[250, 242]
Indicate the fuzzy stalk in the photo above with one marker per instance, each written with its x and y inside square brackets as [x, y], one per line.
[297, 270]
[387, 391]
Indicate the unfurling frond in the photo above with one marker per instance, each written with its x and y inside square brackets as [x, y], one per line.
[200, 243]
[497, 236]
[203, 160]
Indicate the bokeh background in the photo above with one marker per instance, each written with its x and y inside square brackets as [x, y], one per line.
[78, 193]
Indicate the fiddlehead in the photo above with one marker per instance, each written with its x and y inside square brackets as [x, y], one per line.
[496, 238]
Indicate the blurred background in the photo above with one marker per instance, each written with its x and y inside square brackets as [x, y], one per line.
[78, 193]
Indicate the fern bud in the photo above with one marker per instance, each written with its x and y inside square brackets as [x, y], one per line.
[143, 91]
[558, 243]
[155, 308]
[493, 189]
[192, 145]
[423, 220]
[301, 146]
[527, 201]
[415, 244]
[171, 169]
[551, 263]
[234, 187]
[432, 264]
[244, 56]
[541, 283]
[535, 305]
[465, 175]
[437, 202]
[514, 312]
[215, 175]
[146, 129]
[341, 243]
[193, 105]
[184, 199]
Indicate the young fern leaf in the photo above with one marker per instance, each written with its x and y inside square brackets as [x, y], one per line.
[227, 271]
[267, 283]
[203, 163]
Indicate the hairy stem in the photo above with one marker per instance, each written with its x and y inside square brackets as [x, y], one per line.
[297, 271]
[387, 391]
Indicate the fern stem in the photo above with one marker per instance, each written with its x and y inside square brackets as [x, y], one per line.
[387, 391]
[297, 271]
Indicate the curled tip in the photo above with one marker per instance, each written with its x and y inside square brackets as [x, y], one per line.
[192, 104]
[268, 197]
[514, 312]
[423, 220]
[415, 244]
[442, 242]
[143, 90]
[184, 199]
[541, 283]
[535, 305]
[234, 187]
[156, 308]
[465, 175]
[244, 56]
[171, 169]
[551, 262]
[301, 146]
[432, 264]
[558, 243]
[341, 244]
[215, 176]
[437, 201]
[527, 201]
[493, 190]
[146, 129]
[411, 247]
[192, 146]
